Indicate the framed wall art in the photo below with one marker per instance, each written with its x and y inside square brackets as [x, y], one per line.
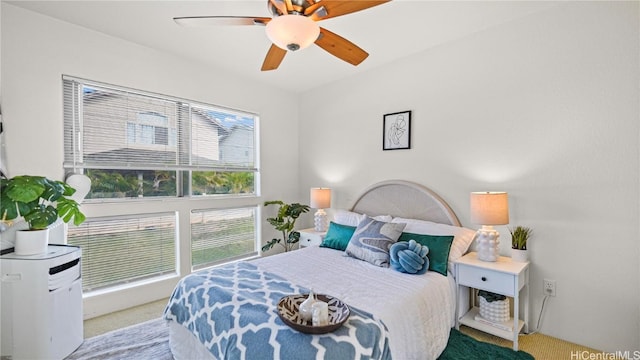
[396, 132]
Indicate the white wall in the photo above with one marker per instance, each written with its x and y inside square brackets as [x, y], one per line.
[38, 50]
[545, 108]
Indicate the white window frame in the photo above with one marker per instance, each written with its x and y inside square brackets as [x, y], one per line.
[106, 300]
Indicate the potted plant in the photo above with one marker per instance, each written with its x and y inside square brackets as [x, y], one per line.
[41, 202]
[285, 221]
[519, 237]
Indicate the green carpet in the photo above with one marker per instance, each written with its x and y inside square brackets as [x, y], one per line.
[462, 347]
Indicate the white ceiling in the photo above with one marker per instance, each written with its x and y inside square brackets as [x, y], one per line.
[387, 32]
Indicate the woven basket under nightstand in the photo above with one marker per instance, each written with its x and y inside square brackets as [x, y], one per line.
[496, 311]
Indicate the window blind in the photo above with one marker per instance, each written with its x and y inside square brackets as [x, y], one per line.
[222, 235]
[110, 127]
[118, 250]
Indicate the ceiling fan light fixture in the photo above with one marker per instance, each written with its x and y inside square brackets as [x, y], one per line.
[292, 32]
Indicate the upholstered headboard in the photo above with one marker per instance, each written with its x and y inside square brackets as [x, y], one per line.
[405, 199]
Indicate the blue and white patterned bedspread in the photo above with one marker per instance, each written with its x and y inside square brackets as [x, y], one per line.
[232, 310]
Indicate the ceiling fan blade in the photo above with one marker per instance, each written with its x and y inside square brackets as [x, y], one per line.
[274, 58]
[340, 47]
[335, 8]
[313, 8]
[289, 5]
[278, 4]
[220, 20]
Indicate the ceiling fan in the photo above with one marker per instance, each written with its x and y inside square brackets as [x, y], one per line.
[293, 27]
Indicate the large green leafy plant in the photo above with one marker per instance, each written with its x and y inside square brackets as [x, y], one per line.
[285, 221]
[39, 200]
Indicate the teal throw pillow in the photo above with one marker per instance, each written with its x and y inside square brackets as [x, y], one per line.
[338, 236]
[439, 247]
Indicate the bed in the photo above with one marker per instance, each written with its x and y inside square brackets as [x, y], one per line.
[230, 312]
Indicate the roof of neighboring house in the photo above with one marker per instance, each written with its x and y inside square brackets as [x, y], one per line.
[224, 137]
[222, 130]
[143, 157]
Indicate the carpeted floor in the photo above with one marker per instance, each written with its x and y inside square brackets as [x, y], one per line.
[150, 340]
[542, 347]
[464, 347]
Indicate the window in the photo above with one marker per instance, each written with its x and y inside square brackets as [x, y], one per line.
[220, 235]
[134, 144]
[117, 250]
[138, 147]
[150, 129]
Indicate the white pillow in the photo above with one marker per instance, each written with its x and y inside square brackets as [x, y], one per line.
[350, 218]
[462, 237]
[345, 217]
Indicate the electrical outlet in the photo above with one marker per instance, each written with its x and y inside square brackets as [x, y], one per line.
[549, 287]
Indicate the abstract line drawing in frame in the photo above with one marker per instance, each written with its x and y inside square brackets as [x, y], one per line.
[396, 132]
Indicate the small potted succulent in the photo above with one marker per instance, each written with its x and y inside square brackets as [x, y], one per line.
[519, 237]
[285, 222]
[41, 202]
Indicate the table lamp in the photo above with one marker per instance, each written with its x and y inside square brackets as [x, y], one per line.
[488, 209]
[320, 199]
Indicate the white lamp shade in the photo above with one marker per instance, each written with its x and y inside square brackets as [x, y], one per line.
[489, 208]
[82, 185]
[292, 32]
[320, 198]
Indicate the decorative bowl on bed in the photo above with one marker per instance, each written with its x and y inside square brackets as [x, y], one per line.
[288, 311]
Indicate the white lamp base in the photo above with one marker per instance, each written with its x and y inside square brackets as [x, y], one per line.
[487, 243]
[320, 221]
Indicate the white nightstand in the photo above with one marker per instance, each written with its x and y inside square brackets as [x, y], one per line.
[505, 277]
[310, 237]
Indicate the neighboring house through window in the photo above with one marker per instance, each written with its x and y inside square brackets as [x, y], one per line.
[151, 129]
[138, 146]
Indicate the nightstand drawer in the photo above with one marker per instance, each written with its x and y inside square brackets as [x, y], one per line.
[494, 281]
[310, 237]
[309, 240]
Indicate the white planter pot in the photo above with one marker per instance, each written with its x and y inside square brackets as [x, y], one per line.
[519, 255]
[31, 242]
